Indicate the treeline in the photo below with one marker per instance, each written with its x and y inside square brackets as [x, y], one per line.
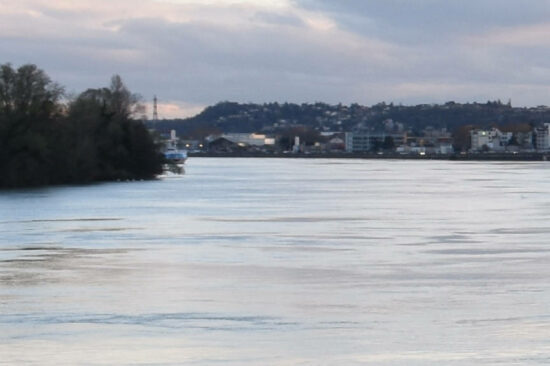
[46, 140]
[270, 117]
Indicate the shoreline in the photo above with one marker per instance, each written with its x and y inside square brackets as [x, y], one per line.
[388, 156]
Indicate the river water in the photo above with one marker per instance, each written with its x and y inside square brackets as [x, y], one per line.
[282, 262]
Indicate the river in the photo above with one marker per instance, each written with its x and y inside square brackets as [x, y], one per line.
[282, 262]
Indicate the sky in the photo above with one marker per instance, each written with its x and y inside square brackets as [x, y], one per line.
[195, 53]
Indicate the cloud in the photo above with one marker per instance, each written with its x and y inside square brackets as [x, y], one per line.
[254, 3]
[196, 53]
[535, 35]
[278, 19]
[420, 21]
[204, 54]
[173, 109]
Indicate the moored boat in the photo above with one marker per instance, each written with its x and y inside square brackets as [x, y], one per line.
[175, 157]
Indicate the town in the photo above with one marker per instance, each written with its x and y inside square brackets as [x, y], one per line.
[473, 130]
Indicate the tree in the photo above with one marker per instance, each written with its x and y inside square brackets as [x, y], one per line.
[27, 93]
[307, 135]
[43, 142]
[115, 101]
[462, 138]
[122, 102]
[388, 143]
[29, 104]
[122, 147]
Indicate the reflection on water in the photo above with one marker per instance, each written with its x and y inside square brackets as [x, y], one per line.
[282, 262]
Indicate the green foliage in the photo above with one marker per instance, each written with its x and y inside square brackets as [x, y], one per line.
[92, 139]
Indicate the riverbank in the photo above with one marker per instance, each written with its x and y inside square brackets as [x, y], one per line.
[461, 157]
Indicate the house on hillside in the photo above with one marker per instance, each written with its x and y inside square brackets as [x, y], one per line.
[490, 140]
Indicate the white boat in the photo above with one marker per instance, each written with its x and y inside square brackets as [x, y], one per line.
[176, 158]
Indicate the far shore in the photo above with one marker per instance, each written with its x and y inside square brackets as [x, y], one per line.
[394, 156]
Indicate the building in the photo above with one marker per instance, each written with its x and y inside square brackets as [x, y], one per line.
[489, 140]
[444, 148]
[336, 143]
[357, 142]
[223, 145]
[542, 137]
[524, 140]
[249, 139]
[367, 142]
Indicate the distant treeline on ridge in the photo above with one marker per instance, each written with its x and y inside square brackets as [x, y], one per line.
[457, 118]
[45, 140]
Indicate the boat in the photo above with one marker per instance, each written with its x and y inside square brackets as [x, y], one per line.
[175, 157]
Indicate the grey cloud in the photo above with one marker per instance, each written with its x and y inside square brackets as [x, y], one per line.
[429, 20]
[206, 50]
[278, 19]
[210, 63]
[401, 51]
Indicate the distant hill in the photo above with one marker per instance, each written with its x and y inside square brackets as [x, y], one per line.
[271, 117]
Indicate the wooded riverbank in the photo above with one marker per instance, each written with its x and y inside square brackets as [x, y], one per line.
[46, 139]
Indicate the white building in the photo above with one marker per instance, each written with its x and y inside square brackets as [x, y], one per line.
[249, 139]
[444, 148]
[543, 137]
[493, 139]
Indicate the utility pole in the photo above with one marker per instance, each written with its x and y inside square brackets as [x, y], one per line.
[155, 110]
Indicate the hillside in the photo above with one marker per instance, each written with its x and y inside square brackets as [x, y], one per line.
[271, 117]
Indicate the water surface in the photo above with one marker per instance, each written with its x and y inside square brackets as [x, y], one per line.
[282, 262]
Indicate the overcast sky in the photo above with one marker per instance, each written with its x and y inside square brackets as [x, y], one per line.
[194, 53]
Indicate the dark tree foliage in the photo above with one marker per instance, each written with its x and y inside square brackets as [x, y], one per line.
[308, 136]
[388, 143]
[94, 138]
[269, 117]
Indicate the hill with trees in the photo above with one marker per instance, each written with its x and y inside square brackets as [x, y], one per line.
[322, 117]
[45, 141]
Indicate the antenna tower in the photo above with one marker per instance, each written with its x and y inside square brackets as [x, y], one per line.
[155, 111]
